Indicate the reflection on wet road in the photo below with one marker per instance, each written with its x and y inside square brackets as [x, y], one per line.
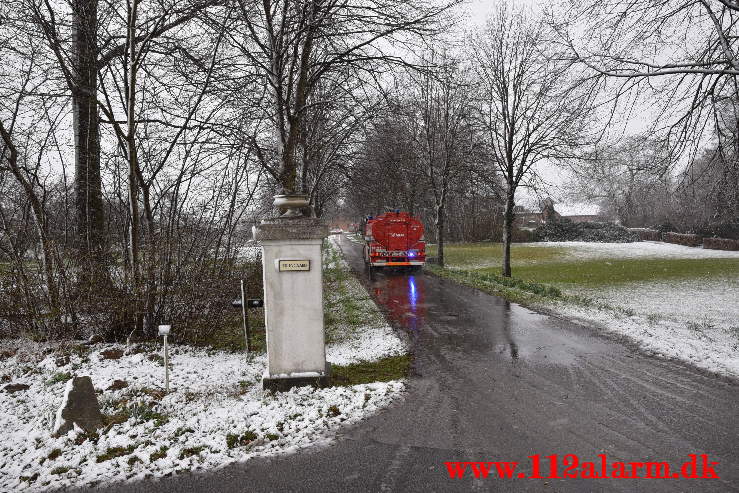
[402, 296]
[418, 303]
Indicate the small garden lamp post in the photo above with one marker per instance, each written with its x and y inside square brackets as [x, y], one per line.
[164, 331]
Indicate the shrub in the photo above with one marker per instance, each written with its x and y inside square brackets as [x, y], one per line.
[728, 230]
[664, 227]
[522, 235]
[116, 418]
[233, 440]
[83, 437]
[142, 412]
[114, 452]
[190, 451]
[58, 378]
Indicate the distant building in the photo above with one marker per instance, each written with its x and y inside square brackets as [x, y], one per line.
[577, 213]
[525, 218]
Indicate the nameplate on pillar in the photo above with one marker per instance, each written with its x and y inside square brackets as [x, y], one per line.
[293, 265]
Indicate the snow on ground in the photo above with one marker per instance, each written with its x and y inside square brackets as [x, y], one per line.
[710, 302]
[704, 345]
[582, 250]
[694, 320]
[370, 344]
[640, 249]
[216, 414]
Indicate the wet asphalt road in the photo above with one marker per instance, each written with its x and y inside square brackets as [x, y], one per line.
[495, 381]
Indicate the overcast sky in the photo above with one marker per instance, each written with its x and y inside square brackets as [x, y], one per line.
[480, 9]
[556, 177]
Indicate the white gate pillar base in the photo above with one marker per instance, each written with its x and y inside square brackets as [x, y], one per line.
[293, 302]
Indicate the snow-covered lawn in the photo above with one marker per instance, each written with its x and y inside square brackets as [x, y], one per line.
[694, 320]
[640, 249]
[708, 302]
[704, 344]
[216, 414]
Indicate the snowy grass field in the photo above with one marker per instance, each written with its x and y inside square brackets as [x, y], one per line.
[672, 300]
[216, 414]
[572, 264]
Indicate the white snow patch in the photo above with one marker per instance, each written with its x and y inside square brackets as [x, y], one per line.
[370, 344]
[375, 339]
[640, 249]
[214, 394]
[694, 320]
[704, 301]
[576, 208]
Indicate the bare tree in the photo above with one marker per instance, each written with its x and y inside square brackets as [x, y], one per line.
[26, 128]
[328, 138]
[81, 53]
[530, 110]
[631, 180]
[445, 136]
[386, 173]
[679, 59]
[296, 44]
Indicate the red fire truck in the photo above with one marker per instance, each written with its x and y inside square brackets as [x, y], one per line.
[394, 239]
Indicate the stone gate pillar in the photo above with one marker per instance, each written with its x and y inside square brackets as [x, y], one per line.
[293, 301]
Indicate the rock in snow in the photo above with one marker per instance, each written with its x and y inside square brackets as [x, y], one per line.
[111, 354]
[118, 385]
[79, 407]
[15, 387]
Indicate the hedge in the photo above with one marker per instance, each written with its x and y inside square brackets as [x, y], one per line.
[646, 234]
[682, 239]
[720, 244]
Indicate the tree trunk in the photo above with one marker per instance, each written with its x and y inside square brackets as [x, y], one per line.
[90, 234]
[507, 233]
[291, 150]
[440, 234]
[133, 185]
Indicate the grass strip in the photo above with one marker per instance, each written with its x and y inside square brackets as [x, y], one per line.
[511, 288]
[383, 370]
[526, 293]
